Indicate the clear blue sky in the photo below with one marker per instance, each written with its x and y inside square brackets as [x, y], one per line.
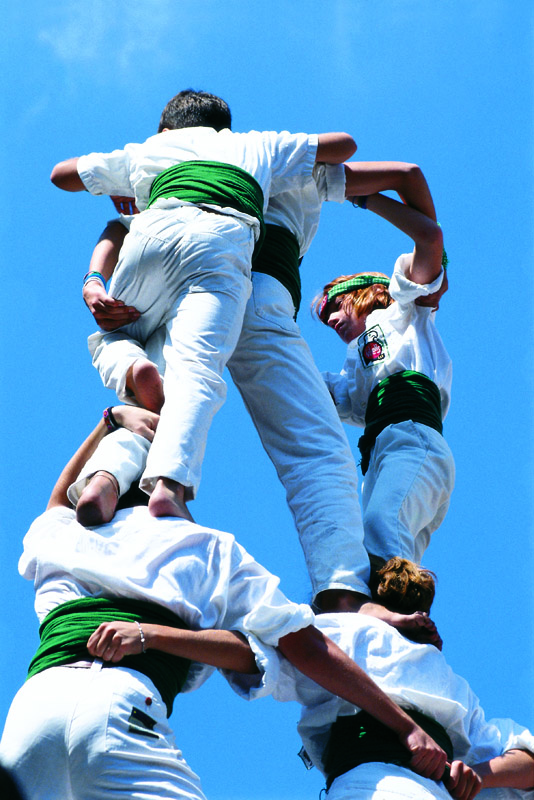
[446, 85]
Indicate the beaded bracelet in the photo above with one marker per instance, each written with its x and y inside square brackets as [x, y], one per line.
[94, 276]
[142, 635]
[109, 419]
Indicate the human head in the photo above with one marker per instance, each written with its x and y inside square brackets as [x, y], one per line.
[371, 293]
[191, 109]
[402, 586]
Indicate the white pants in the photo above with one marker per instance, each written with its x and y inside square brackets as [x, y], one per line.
[406, 490]
[121, 453]
[378, 781]
[73, 734]
[298, 425]
[189, 270]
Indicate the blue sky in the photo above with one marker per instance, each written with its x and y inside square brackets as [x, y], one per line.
[446, 85]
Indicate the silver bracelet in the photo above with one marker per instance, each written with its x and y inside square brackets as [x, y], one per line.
[142, 635]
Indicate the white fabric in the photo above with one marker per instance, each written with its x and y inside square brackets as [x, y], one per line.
[407, 340]
[407, 487]
[274, 370]
[189, 269]
[415, 676]
[277, 161]
[202, 575]
[68, 736]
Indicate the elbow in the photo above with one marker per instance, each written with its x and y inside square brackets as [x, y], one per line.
[349, 146]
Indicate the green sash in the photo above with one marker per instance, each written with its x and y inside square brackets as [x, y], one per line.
[65, 631]
[361, 738]
[213, 183]
[402, 396]
[279, 257]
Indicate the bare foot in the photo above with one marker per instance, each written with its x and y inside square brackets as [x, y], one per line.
[98, 500]
[167, 500]
[144, 381]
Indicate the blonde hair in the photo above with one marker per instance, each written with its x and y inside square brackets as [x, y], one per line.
[404, 587]
[359, 301]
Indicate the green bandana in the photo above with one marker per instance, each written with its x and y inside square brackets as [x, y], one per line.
[361, 282]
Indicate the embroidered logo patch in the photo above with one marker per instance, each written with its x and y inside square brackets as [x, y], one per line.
[372, 346]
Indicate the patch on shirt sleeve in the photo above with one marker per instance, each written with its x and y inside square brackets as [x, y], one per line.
[373, 346]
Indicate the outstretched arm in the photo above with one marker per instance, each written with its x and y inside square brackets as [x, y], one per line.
[425, 232]
[138, 420]
[65, 176]
[223, 649]
[514, 769]
[334, 148]
[315, 655]
[370, 177]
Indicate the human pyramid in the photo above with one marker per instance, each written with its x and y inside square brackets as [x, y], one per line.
[137, 602]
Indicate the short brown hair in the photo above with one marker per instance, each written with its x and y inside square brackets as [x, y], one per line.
[404, 587]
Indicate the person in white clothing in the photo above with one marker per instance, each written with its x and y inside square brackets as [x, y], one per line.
[396, 382]
[273, 369]
[80, 730]
[202, 191]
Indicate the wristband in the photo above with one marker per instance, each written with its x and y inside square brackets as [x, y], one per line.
[94, 276]
[109, 419]
[142, 635]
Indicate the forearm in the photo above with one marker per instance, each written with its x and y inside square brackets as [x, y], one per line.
[370, 177]
[73, 468]
[222, 649]
[323, 661]
[106, 252]
[65, 176]
[514, 769]
[335, 148]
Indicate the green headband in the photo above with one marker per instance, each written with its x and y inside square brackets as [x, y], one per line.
[361, 282]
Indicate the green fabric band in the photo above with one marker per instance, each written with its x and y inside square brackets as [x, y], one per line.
[65, 631]
[402, 396]
[211, 182]
[361, 738]
[361, 282]
[279, 257]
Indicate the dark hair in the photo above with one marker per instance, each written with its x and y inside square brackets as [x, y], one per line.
[189, 109]
[133, 497]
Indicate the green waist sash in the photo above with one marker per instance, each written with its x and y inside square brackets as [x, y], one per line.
[361, 738]
[279, 257]
[214, 183]
[404, 395]
[65, 630]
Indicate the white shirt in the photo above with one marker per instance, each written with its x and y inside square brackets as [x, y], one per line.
[401, 337]
[202, 575]
[278, 161]
[414, 676]
[299, 210]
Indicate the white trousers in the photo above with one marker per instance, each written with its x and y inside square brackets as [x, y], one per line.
[298, 425]
[187, 269]
[406, 490]
[90, 734]
[378, 781]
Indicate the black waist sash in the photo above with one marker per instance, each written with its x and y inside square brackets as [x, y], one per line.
[279, 257]
[65, 630]
[361, 738]
[402, 396]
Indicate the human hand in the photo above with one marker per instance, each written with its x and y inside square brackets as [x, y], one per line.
[432, 300]
[138, 420]
[428, 759]
[461, 781]
[108, 312]
[113, 640]
[124, 205]
[419, 628]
